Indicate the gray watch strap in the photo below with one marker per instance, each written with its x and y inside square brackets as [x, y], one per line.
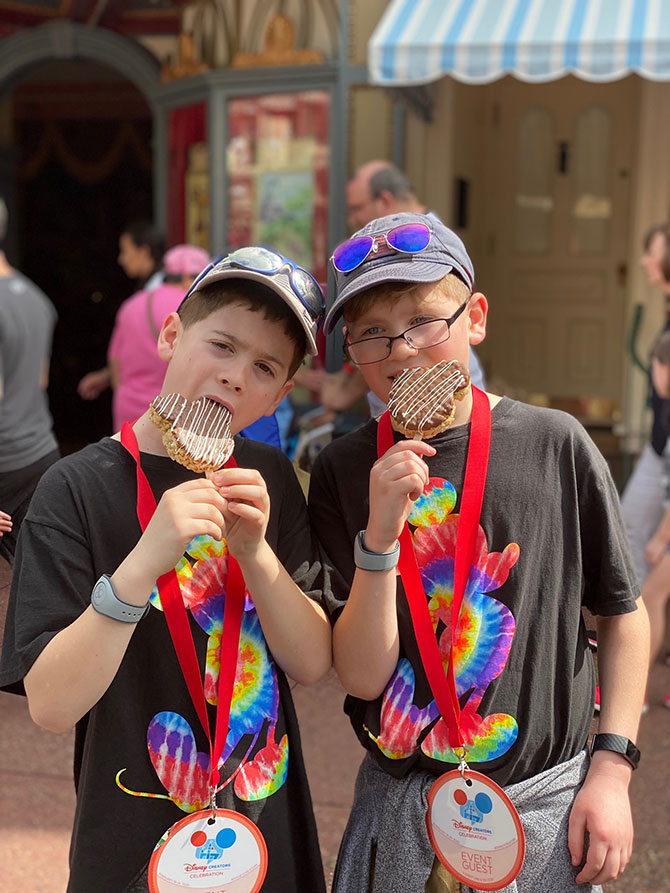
[105, 601]
[374, 561]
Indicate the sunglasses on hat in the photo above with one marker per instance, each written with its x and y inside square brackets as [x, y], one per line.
[408, 238]
[268, 262]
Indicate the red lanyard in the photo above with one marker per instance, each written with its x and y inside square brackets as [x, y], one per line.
[179, 628]
[444, 687]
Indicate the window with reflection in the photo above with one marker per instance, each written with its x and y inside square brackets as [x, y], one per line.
[277, 165]
[591, 174]
[534, 199]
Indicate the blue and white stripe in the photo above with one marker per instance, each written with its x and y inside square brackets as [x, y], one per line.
[478, 41]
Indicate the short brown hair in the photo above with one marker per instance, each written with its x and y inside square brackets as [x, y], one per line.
[256, 297]
[451, 286]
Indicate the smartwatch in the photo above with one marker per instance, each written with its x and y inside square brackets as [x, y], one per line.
[105, 601]
[374, 561]
[617, 744]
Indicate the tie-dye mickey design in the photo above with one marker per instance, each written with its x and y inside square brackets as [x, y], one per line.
[181, 768]
[482, 640]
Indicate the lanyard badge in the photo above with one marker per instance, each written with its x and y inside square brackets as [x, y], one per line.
[472, 824]
[213, 850]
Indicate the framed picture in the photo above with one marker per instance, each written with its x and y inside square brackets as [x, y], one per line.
[285, 211]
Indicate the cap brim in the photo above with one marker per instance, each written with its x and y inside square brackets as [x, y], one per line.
[411, 270]
[274, 283]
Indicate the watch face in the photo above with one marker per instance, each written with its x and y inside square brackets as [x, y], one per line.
[98, 594]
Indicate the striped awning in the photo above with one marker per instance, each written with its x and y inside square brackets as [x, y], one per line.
[478, 41]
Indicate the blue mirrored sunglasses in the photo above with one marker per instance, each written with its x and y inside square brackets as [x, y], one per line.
[408, 238]
[264, 260]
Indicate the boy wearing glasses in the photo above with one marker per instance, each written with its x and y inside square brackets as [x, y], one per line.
[513, 674]
[110, 666]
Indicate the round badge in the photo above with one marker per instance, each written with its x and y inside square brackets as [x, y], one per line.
[475, 830]
[223, 855]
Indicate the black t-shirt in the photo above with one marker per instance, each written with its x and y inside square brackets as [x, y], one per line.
[141, 749]
[551, 539]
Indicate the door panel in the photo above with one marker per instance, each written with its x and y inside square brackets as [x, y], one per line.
[558, 234]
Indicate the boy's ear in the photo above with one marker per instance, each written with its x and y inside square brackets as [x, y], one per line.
[478, 309]
[285, 389]
[169, 336]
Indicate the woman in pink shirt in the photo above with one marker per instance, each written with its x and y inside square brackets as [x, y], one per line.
[136, 369]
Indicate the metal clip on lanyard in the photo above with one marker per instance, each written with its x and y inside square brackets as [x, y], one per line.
[443, 687]
[180, 632]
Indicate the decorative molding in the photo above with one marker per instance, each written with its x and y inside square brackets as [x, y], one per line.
[64, 39]
[278, 48]
[247, 34]
[186, 64]
[54, 144]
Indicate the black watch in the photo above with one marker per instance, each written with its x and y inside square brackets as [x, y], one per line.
[617, 744]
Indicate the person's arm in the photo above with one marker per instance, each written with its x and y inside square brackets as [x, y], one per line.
[365, 637]
[44, 373]
[309, 378]
[658, 544]
[76, 667]
[295, 627]
[602, 806]
[341, 389]
[94, 383]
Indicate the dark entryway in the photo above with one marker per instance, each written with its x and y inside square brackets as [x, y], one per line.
[83, 170]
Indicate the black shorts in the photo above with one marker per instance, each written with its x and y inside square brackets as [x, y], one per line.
[16, 490]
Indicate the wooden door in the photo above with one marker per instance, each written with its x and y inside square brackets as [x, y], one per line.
[557, 222]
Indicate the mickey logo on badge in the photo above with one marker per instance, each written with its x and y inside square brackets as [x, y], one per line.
[212, 847]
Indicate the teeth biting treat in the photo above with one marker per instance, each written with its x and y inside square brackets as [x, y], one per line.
[422, 401]
[195, 433]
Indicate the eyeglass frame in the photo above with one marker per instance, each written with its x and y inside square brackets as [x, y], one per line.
[391, 338]
[317, 317]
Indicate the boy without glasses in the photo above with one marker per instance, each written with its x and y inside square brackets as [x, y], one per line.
[550, 540]
[141, 755]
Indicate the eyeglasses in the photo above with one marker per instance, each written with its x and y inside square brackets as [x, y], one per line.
[263, 260]
[408, 238]
[420, 336]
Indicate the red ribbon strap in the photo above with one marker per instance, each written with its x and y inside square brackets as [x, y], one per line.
[443, 686]
[179, 628]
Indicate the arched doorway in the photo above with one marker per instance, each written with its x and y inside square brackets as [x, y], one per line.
[79, 165]
[83, 170]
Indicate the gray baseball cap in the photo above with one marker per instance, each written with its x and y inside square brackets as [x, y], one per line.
[445, 253]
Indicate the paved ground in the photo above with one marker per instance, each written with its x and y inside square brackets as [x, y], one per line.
[37, 799]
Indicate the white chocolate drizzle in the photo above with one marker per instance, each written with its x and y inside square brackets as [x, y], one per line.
[201, 427]
[417, 393]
